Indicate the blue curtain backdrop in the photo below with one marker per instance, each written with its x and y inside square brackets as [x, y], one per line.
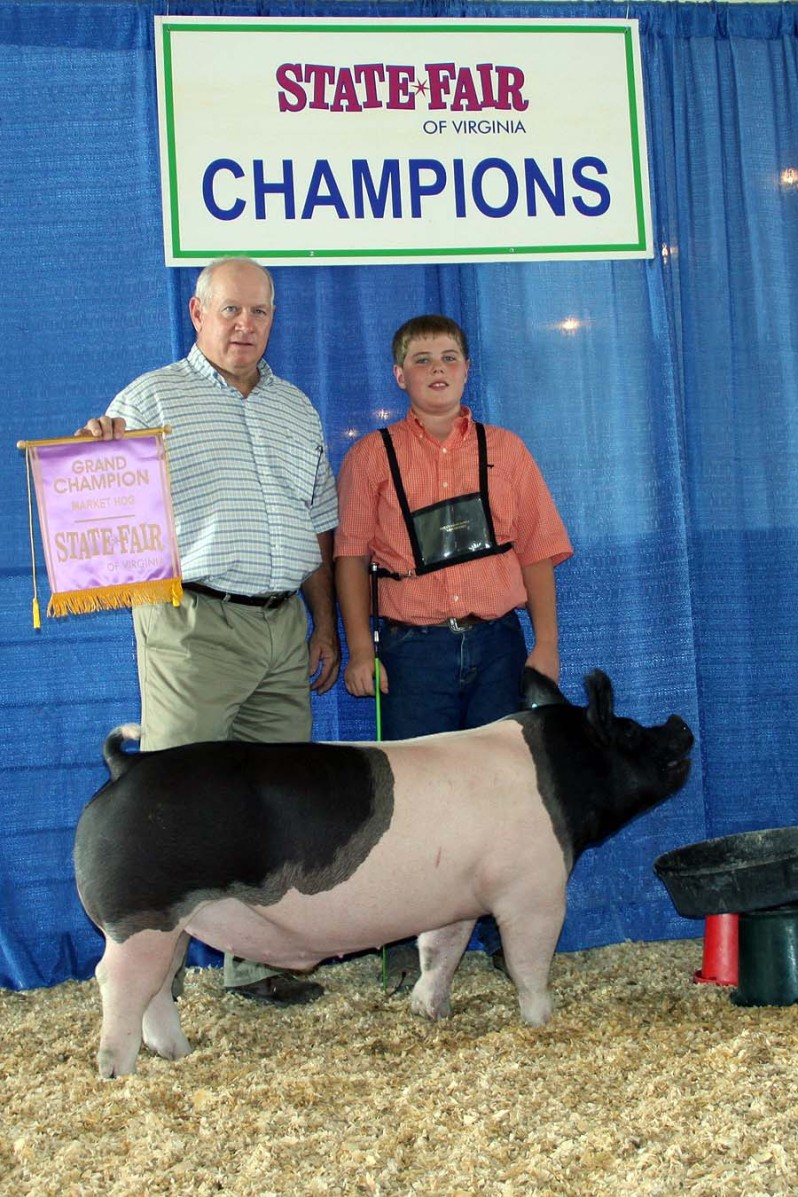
[665, 421]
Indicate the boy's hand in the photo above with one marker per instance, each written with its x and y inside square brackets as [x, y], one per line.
[359, 675]
[546, 659]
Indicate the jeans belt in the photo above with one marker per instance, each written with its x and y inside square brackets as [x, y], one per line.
[268, 601]
[455, 624]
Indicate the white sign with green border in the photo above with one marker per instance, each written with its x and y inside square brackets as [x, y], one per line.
[338, 141]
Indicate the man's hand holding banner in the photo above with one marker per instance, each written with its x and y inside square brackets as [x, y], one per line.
[105, 513]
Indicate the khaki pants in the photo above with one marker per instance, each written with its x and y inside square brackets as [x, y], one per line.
[210, 670]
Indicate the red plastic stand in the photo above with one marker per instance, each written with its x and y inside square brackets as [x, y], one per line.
[721, 950]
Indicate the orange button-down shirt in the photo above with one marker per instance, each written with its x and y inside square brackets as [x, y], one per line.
[371, 522]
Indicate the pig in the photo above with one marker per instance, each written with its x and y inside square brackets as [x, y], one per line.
[295, 853]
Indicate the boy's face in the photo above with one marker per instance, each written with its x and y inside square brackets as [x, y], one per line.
[434, 374]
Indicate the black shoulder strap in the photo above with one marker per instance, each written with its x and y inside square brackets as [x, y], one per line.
[482, 448]
[402, 497]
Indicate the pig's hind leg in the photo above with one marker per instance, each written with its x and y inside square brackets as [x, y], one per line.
[161, 1023]
[130, 975]
[439, 954]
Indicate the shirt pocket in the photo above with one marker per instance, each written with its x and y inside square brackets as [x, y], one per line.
[297, 466]
[503, 497]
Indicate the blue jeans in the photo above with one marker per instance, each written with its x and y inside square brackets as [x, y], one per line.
[441, 680]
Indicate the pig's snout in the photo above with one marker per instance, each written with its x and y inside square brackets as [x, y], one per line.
[680, 740]
[681, 736]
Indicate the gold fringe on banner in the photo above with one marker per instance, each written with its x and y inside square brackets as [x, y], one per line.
[101, 598]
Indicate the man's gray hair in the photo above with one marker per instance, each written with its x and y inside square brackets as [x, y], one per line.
[204, 284]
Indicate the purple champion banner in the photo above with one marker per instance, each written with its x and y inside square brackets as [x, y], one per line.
[106, 519]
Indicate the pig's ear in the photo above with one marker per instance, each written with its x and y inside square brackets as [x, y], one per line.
[600, 713]
[538, 690]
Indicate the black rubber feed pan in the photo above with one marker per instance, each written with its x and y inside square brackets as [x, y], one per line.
[733, 874]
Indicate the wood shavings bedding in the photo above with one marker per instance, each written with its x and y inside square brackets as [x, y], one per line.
[643, 1083]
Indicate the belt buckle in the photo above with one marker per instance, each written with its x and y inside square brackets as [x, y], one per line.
[455, 625]
[227, 598]
[273, 601]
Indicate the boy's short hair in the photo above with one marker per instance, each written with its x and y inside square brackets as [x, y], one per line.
[426, 326]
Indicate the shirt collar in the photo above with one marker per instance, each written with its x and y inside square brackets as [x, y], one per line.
[461, 424]
[199, 362]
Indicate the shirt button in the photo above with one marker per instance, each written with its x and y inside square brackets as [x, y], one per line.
[456, 598]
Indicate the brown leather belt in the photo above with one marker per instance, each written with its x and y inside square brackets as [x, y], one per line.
[269, 601]
[455, 624]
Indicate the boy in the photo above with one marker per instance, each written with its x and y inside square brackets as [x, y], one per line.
[463, 529]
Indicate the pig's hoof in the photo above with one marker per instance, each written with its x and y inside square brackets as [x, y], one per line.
[429, 1005]
[110, 1066]
[536, 1010]
[173, 1047]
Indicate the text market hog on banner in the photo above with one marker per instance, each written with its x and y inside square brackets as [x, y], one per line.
[105, 513]
[401, 140]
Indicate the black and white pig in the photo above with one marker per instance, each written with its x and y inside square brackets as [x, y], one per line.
[294, 853]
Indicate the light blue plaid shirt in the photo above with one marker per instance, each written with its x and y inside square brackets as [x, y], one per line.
[251, 482]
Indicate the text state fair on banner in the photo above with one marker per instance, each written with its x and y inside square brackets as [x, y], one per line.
[340, 141]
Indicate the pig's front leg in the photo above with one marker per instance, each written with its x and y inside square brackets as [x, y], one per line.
[529, 939]
[439, 954]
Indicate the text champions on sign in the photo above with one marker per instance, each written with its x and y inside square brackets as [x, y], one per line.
[459, 153]
[404, 187]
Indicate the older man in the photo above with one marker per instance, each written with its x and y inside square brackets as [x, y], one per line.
[255, 508]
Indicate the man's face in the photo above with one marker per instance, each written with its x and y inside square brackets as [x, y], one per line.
[233, 329]
[434, 374]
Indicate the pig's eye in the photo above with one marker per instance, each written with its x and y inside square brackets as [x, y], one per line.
[628, 735]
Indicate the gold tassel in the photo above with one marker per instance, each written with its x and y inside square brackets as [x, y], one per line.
[37, 617]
